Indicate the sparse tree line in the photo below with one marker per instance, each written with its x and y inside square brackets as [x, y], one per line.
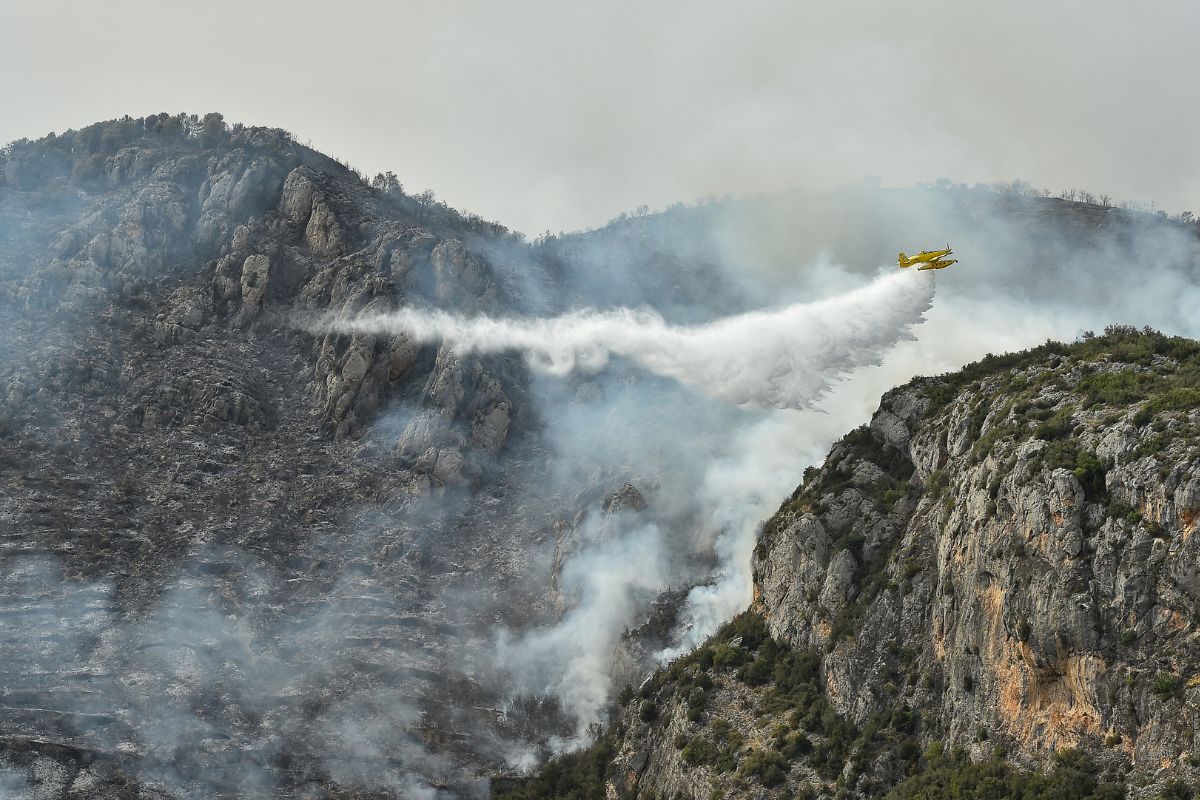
[429, 208]
[81, 154]
[1021, 188]
[1017, 188]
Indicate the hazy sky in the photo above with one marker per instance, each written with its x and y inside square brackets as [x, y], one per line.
[560, 114]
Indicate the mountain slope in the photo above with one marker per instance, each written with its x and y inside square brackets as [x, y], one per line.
[1002, 559]
[209, 570]
[242, 555]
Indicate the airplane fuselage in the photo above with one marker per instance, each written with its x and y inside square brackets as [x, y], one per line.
[924, 256]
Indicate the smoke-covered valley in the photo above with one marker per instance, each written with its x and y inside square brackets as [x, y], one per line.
[313, 488]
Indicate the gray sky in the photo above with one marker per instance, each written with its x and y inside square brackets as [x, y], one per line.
[560, 114]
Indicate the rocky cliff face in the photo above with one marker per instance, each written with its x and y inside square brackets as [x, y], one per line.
[237, 558]
[1002, 558]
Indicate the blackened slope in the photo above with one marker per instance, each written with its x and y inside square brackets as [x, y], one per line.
[210, 574]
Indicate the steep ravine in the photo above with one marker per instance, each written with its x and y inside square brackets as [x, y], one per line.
[998, 573]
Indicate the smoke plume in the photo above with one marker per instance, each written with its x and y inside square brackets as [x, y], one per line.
[572, 660]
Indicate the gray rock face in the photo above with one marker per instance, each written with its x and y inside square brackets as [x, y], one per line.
[229, 547]
[236, 188]
[323, 232]
[296, 199]
[457, 275]
[1030, 604]
[1015, 567]
[256, 271]
[838, 588]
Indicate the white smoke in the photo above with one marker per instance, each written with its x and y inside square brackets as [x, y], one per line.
[739, 491]
[783, 359]
[786, 358]
[572, 660]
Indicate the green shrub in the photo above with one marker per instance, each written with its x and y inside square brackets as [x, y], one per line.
[994, 485]
[700, 752]
[727, 655]
[1118, 510]
[1177, 790]
[749, 627]
[1060, 455]
[1090, 473]
[1175, 399]
[769, 767]
[1072, 776]
[1151, 445]
[1059, 426]
[1116, 388]
[1166, 685]
[810, 475]
[795, 744]
[757, 672]
[940, 395]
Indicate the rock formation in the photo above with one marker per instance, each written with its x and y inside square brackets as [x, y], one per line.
[1002, 559]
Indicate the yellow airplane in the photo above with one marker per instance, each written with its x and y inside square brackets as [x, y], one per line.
[923, 257]
[937, 263]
